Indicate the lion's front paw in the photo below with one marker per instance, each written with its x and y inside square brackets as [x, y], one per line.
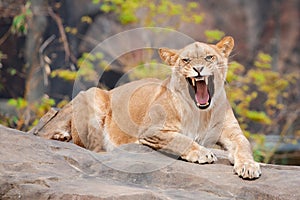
[248, 169]
[202, 155]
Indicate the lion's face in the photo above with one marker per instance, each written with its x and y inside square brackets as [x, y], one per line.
[204, 67]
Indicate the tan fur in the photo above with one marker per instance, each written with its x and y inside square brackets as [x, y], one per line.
[162, 114]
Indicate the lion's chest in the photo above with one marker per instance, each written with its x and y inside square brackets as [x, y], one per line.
[195, 124]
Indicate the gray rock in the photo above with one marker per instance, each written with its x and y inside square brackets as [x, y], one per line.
[35, 168]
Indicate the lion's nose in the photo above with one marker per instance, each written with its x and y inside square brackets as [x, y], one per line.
[198, 69]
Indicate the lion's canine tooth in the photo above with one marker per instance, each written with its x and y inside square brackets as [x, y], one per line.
[206, 80]
[193, 81]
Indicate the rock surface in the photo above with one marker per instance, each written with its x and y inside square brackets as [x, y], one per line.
[35, 168]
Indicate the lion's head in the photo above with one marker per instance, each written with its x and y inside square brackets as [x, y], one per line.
[203, 66]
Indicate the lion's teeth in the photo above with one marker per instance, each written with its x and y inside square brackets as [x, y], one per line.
[199, 79]
[206, 80]
[193, 81]
[202, 105]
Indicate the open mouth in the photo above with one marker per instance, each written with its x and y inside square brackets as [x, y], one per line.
[201, 89]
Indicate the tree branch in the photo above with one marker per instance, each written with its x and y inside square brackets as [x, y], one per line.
[57, 19]
[42, 61]
[5, 36]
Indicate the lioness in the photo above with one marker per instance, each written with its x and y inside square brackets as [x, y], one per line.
[181, 115]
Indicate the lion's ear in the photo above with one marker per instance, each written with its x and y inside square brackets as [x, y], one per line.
[169, 56]
[226, 45]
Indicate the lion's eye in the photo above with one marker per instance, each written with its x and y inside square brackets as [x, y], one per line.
[209, 58]
[186, 60]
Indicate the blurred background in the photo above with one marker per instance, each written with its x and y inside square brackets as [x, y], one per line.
[43, 44]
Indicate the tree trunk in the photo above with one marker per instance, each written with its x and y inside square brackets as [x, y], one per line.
[35, 86]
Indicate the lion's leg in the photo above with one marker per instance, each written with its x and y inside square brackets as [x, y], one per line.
[81, 120]
[55, 125]
[181, 145]
[90, 109]
[75, 137]
[240, 153]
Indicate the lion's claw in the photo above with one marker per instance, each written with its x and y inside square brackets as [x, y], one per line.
[248, 169]
[201, 156]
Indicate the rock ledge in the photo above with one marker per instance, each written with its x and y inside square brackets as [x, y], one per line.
[35, 168]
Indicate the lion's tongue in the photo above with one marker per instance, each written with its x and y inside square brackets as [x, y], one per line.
[202, 95]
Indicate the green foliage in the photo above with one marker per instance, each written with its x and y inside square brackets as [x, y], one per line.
[71, 30]
[65, 74]
[27, 114]
[19, 24]
[235, 69]
[258, 116]
[214, 35]
[86, 19]
[263, 61]
[154, 12]
[259, 87]
[18, 103]
[12, 71]
[150, 70]
[88, 66]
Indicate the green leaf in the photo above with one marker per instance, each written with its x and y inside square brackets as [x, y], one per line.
[64, 74]
[35, 122]
[18, 103]
[162, 8]
[175, 9]
[15, 119]
[99, 55]
[95, 1]
[260, 117]
[22, 103]
[214, 35]
[263, 61]
[18, 20]
[197, 18]
[48, 101]
[235, 71]
[150, 70]
[12, 71]
[105, 8]
[18, 24]
[192, 5]
[264, 57]
[12, 102]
